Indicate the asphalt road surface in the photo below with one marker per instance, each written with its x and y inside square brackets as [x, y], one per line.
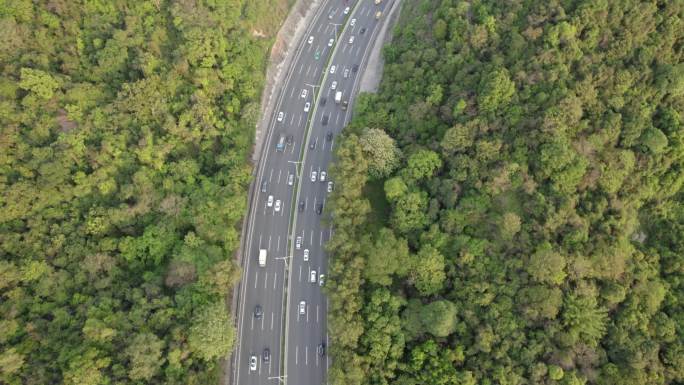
[309, 82]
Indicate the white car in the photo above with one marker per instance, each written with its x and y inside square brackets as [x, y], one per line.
[277, 206]
[253, 363]
[346, 11]
[330, 42]
[352, 22]
[307, 105]
[346, 73]
[298, 243]
[351, 40]
[305, 92]
[281, 115]
[311, 38]
[290, 180]
[332, 69]
[314, 176]
[330, 186]
[323, 175]
[306, 255]
[312, 276]
[302, 307]
[269, 202]
[333, 86]
[321, 279]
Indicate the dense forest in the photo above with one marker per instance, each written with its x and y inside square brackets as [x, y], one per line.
[125, 133]
[509, 207]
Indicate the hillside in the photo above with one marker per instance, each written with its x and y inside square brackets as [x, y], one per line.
[126, 129]
[509, 206]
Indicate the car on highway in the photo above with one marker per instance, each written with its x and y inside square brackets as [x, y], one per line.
[378, 15]
[321, 280]
[362, 31]
[351, 40]
[302, 307]
[307, 106]
[331, 15]
[333, 85]
[352, 22]
[305, 92]
[289, 139]
[269, 201]
[378, 2]
[290, 179]
[264, 184]
[253, 363]
[331, 42]
[346, 11]
[317, 55]
[321, 349]
[346, 73]
[332, 69]
[281, 115]
[312, 144]
[312, 276]
[266, 356]
[311, 39]
[324, 120]
[298, 243]
[330, 186]
[277, 206]
[323, 100]
[329, 136]
[258, 312]
[323, 175]
[355, 68]
[319, 208]
[314, 175]
[302, 206]
[306, 255]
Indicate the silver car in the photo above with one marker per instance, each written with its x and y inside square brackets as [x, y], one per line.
[253, 363]
[298, 243]
[314, 176]
[302, 307]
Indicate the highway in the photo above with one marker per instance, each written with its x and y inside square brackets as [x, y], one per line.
[281, 183]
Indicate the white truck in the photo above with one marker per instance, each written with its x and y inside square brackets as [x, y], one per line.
[338, 96]
[262, 257]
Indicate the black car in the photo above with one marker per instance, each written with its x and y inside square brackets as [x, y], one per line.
[289, 139]
[266, 355]
[323, 100]
[325, 120]
[355, 68]
[319, 208]
[258, 312]
[312, 144]
[321, 349]
[263, 186]
[302, 206]
[329, 136]
[362, 31]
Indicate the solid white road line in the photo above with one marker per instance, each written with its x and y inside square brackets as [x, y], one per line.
[260, 240]
[327, 27]
[319, 28]
[337, 118]
[315, 74]
[311, 240]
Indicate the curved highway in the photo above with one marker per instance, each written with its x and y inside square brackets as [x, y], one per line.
[281, 307]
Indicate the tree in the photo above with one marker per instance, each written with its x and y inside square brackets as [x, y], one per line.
[427, 271]
[145, 354]
[389, 256]
[38, 82]
[422, 164]
[546, 265]
[211, 334]
[381, 151]
[496, 91]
